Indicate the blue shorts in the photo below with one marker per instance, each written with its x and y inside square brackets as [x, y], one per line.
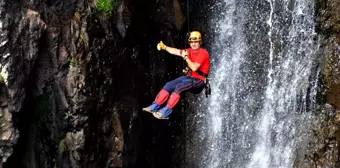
[185, 84]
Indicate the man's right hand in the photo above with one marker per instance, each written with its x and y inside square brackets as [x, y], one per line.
[161, 46]
[184, 53]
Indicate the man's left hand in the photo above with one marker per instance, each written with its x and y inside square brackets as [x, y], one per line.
[161, 46]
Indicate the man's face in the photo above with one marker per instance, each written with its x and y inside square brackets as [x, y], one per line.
[195, 45]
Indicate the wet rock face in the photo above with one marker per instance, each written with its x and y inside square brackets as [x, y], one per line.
[20, 35]
[323, 150]
[328, 26]
[8, 134]
[328, 16]
[73, 81]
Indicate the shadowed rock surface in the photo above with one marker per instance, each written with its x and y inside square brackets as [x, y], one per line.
[73, 81]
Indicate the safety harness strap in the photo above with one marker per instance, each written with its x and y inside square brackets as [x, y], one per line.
[188, 71]
[202, 73]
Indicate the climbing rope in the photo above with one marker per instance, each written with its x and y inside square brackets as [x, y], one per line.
[188, 30]
[188, 14]
[184, 114]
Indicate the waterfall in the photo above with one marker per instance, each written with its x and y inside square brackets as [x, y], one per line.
[263, 77]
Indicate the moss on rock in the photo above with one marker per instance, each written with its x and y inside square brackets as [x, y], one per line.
[106, 6]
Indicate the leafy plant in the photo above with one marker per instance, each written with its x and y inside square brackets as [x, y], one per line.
[106, 6]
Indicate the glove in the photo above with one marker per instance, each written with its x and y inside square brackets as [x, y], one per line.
[161, 46]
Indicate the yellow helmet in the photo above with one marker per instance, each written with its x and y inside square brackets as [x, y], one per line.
[195, 36]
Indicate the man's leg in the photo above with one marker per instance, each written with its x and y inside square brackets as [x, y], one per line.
[185, 84]
[163, 95]
[198, 87]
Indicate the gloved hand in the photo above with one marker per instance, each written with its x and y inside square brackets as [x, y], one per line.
[161, 46]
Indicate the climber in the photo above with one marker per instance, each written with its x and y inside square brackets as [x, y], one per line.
[198, 61]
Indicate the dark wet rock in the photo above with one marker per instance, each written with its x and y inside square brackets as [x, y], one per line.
[8, 134]
[328, 27]
[323, 148]
[73, 81]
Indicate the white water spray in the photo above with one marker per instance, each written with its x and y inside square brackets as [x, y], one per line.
[263, 85]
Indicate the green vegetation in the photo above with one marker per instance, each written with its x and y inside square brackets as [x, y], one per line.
[68, 114]
[73, 61]
[84, 39]
[2, 80]
[106, 6]
[62, 146]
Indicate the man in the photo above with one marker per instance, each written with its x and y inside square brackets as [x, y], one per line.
[198, 61]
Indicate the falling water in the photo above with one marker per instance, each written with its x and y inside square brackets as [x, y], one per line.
[263, 85]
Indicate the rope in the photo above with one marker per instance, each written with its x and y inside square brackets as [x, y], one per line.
[188, 14]
[188, 22]
[188, 30]
[184, 115]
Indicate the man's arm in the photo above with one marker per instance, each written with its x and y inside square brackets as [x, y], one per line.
[173, 51]
[200, 59]
[192, 65]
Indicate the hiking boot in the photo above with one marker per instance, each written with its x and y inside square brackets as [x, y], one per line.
[159, 115]
[148, 109]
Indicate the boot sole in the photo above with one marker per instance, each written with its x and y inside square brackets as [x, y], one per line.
[149, 111]
[161, 118]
